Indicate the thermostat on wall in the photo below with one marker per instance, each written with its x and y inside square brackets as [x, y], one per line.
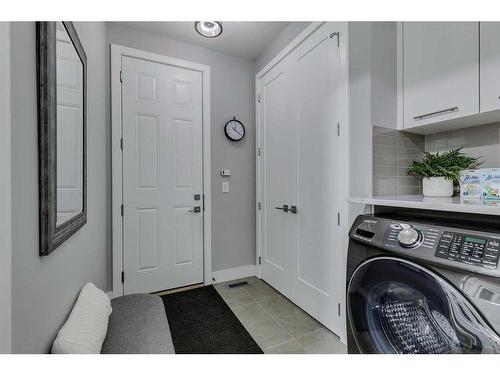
[225, 172]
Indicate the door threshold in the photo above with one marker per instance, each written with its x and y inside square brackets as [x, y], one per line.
[180, 289]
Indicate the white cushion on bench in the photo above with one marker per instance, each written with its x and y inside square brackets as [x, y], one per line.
[85, 329]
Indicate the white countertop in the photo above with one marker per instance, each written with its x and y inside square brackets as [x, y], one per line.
[430, 203]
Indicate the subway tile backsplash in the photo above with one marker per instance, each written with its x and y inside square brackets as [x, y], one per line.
[393, 151]
[481, 141]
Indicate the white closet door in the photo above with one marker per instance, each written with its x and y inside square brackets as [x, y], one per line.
[162, 173]
[315, 84]
[302, 165]
[277, 254]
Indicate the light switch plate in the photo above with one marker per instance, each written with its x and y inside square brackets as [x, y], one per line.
[225, 187]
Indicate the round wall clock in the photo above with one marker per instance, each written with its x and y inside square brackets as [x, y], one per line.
[234, 130]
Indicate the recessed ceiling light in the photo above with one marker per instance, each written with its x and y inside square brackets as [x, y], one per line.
[208, 29]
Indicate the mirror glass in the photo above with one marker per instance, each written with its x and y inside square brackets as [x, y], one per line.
[69, 93]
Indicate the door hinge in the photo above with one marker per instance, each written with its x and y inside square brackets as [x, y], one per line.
[203, 202]
[258, 98]
[258, 151]
[121, 76]
[336, 34]
[338, 218]
[123, 277]
[122, 209]
[121, 143]
[260, 260]
[260, 206]
[339, 308]
[338, 129]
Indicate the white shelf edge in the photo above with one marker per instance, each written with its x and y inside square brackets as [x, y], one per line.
[413, 202]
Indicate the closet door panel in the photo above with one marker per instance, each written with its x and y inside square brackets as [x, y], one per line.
[277, 254]
[315, 111]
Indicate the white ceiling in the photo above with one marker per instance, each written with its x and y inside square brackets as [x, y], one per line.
[244, 39]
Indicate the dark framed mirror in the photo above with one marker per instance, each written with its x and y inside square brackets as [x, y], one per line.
[62, 130]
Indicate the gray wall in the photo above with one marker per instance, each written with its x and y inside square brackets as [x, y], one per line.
[5, 192]
[45, 288]
[360, 183]
[232, 94]
[373, 106]
[360, 127]
[288, 34]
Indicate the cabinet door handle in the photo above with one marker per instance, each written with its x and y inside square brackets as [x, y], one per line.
[421, 117]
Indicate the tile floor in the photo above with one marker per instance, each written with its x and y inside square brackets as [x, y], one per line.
[275, 323]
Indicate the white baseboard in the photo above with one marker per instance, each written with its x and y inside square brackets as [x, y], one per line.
[219, 276]
[233, 273]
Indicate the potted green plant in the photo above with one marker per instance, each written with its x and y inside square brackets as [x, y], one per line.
[439, 171]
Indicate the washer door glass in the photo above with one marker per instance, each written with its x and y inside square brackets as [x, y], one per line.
[397, 306]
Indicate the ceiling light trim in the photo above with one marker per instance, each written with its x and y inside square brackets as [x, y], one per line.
[203, 28]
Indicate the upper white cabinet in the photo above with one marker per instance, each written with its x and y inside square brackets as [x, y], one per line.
[440, 71]
[490, 65]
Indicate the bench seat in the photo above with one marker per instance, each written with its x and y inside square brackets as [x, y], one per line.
[138, 325]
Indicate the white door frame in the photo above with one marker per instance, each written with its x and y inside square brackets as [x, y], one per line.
[117, 52]
[343, 29]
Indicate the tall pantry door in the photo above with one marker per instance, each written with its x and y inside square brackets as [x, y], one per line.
[301, 164]
[277, 251]
[318, 186]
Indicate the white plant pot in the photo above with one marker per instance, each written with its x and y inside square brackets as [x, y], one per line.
[437, 187]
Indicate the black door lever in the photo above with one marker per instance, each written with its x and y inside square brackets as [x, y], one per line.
[284, 208]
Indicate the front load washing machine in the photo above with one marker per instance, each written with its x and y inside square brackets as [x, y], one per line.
[418, 284]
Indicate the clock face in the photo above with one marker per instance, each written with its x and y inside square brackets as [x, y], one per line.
[234, 130]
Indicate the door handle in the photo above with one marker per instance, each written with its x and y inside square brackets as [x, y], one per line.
[284, 208]
[421, 117]
[195, 209]
[293, 209]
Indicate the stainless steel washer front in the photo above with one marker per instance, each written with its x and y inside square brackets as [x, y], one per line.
[395, 305]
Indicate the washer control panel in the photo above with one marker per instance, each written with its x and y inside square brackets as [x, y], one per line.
[466, 249]
[469, 249]
[410, 236]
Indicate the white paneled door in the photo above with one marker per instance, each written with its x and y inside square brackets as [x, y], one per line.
[303, 165]
[162, 176]
[277, 251]
[318, 170]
